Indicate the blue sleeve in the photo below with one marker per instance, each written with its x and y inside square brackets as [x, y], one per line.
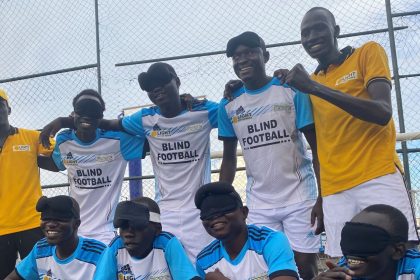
[278, 254]
[200, 270]
[225, 125]
[56, 156]
[303, 106]
[133, 124]
[107, 266]
[213, 109]
[27, 268]
[180, 266]
[131, 146]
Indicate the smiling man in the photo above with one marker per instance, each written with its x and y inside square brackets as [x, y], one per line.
[269, 120]
[239, 251]
[95, 161]
[350, 92]
[143, 250]
[62, 254]
[374, 247]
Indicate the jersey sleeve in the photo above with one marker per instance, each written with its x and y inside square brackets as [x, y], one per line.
[374, 62]
[180, 266]
[133, 124]
[200, 270]
[226, 130]
[131, 146]
[213, 108]
[279, 256]
[303, 107]
[27, 268]
[107, 266]
[56, 156]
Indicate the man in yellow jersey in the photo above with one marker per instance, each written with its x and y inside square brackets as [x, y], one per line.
[20, 156]
[351, 96]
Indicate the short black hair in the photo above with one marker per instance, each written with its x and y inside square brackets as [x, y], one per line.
[90, 92]
[398, 221]
[148, 202]
[329, 13]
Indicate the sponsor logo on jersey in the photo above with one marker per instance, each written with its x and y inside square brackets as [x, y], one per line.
[105, 158]
[240, 114]
[159, 132]
[262, 276]
[21, 148]
[68, 159]
[194, 127]
[48, 276]
[125, 273]
[282, 107]
[350, 76]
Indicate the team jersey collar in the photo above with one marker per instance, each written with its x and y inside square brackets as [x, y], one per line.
[71, 257]
[73, 133]
[239, 257]
[261, 89]
[345, 53]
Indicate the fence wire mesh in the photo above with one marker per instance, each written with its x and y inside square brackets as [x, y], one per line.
[42, 36]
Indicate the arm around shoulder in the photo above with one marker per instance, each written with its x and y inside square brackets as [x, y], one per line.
[229, 162]
[13, 276]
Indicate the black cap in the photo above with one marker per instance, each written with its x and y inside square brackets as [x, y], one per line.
[217, 198]
[158, 74]
[135, 214]
[58, 207]
[248, 38]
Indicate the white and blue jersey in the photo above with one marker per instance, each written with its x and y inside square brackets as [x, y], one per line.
[408, 267]
[179, 150]
[167, 260]
[266, 254]
[96, 172]
[266, 123]
[43, 263]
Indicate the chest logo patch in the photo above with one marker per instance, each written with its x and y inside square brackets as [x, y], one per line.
[350, 76]
[21, 148]
[240, 114]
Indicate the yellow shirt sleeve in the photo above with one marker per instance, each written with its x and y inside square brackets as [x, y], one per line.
[374, 62]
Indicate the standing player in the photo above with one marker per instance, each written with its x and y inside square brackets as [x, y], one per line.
[351, 96]
[143, 250]
[179, 142]
[268, 119]
[20, 189]
[239, 251]
[62, 254]
[95, 161]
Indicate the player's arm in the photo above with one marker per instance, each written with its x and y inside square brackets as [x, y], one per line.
[179, 264]
[335, 272]
[47, 163]
[13, 276]
[229, 162]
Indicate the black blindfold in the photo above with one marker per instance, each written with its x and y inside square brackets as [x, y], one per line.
[89, 108]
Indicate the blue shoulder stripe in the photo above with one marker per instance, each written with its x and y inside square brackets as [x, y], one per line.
[161, 241]
[94, 245]
[115, 239]
[215, 245]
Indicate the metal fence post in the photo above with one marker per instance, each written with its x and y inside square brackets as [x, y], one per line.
[98, 50]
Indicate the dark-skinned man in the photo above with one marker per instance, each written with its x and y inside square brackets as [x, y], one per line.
[351, 98]
[20, 189]
[374, 247]
[239, 251]
[142, 250]
[179, 139]
[269, 120]
[62, 254]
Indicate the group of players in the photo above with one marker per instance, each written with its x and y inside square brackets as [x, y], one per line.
[344, 112]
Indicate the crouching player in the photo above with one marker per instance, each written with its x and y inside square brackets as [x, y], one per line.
[62, 254]
[239, 251]
[143, 250]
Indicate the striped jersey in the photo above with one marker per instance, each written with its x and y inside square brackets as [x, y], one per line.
[179, 150]
[408, 267]
[266, 123]
[166, 261]
[96, 172]
[43, 263]
[266, 254]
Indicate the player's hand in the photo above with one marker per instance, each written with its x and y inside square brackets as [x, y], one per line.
[318, 215]
[230, 88]
[187, 101]
[51, 129]
[335, 273]
[299, 78]
[281, 74]
[215, 275]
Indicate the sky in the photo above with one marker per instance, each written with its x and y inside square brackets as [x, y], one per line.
[40, 36]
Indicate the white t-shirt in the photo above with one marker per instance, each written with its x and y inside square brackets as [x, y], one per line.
[179, 150]
[266, 123]
[96, 173]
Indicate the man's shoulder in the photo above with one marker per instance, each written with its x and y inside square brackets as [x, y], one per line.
[235, 95]
[162, 240]
[204, 105]
[210, 255]
[43, 249]
[410, 264]
[91, 250]
[258, 237]
[64, 135]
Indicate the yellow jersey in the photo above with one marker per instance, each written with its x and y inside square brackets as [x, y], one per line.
[352, 151]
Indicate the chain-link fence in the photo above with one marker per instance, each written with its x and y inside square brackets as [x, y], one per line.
[51, 50]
